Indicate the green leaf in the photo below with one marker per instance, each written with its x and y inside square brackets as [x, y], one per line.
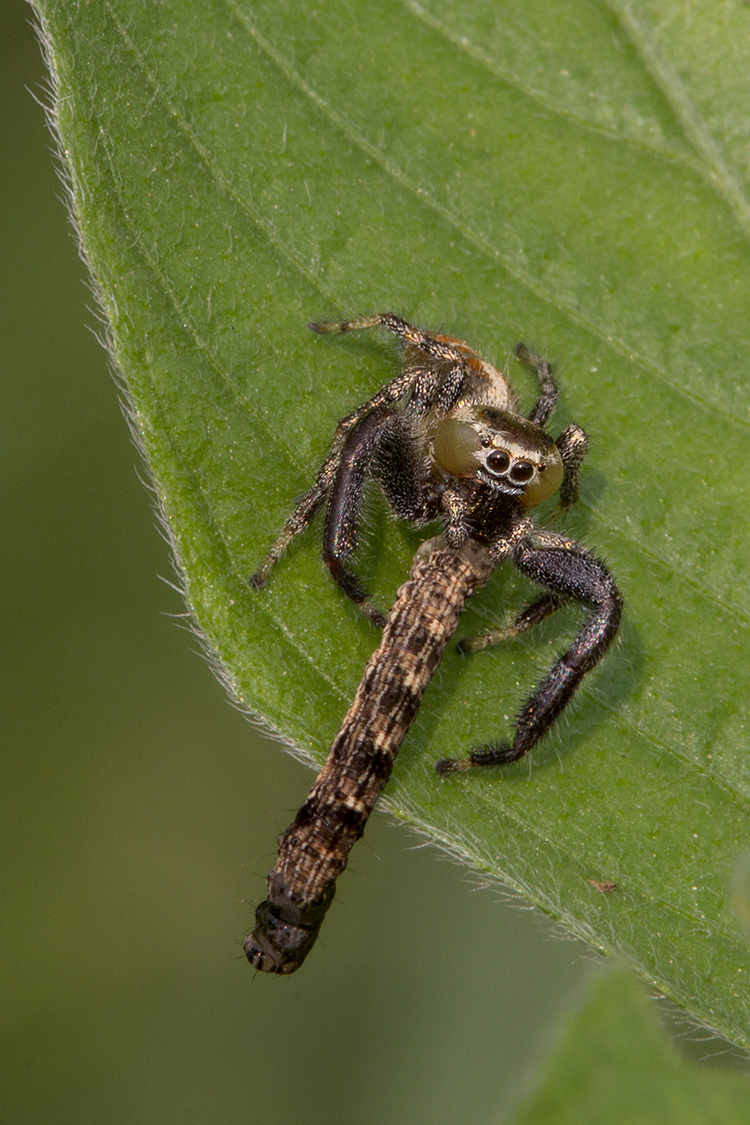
[574, 176]
[613, 1065]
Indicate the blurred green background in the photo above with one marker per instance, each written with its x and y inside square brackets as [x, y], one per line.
[140, 810]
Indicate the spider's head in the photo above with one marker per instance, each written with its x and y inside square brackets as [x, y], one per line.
[503, 450]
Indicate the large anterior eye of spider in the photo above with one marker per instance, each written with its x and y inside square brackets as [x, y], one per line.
[498, 461]
[522, 472]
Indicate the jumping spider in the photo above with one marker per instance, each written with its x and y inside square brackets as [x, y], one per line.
[445, 441]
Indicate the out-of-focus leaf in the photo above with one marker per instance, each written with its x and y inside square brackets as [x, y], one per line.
[613, 1065]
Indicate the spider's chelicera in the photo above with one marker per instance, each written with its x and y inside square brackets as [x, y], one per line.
[445, 441]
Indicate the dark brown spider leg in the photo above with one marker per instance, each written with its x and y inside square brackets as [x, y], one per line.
[580, 577]
[573, 444]
[345, 501]
[547, 401]
[400, 472]
[390, 393]
[451, 387]
[295, 524]
[438, 349]
[315, 849]
[431, 387]
[532, 615]
[306, 508]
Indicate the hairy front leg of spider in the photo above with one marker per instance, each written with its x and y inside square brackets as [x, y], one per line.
[314, 850]
[409, 333]
[528, 618]
[575, 575]
[356, 464]
[547, 400]
[399, 471]
[303, 513]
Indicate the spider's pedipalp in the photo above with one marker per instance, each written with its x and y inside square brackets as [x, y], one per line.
[573, 444]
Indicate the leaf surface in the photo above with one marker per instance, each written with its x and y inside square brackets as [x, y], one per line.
[575, 177]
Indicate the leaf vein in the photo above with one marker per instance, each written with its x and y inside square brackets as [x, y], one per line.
[720, 174]
[423, 196]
